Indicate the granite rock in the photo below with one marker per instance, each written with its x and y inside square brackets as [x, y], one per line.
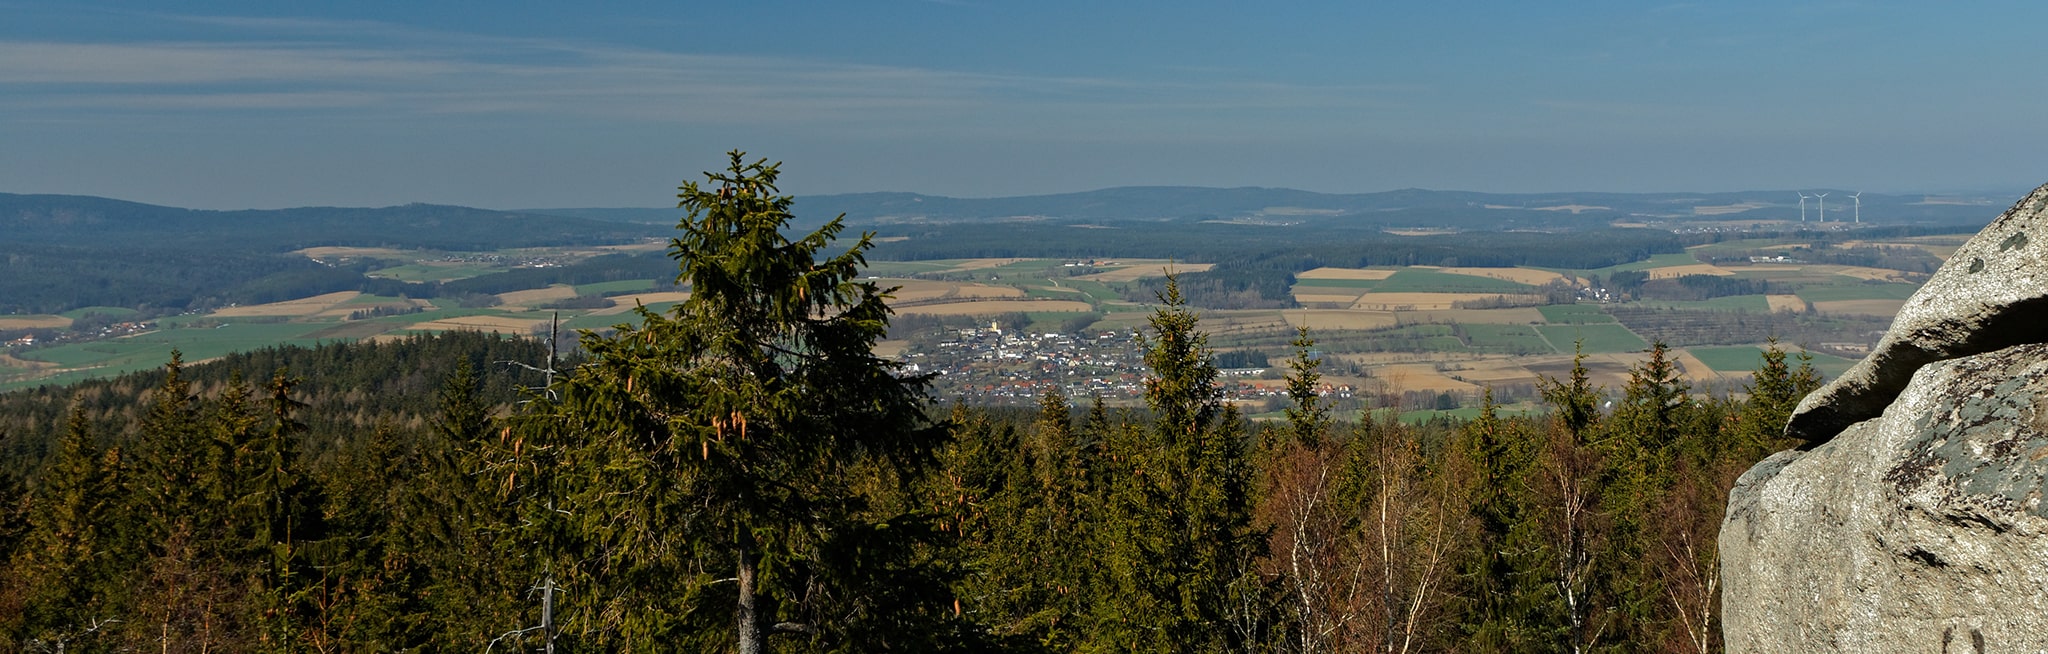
[1922, 530]
[1992, 293]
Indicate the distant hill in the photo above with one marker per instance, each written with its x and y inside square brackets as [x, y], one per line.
[61, 252]
[94, 222]
[1182, 202]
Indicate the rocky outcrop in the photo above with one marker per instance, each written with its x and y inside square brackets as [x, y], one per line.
[1918, 519]
[1992, 293]
[1925, 530]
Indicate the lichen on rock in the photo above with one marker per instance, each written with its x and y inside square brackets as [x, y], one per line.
[1923, 530]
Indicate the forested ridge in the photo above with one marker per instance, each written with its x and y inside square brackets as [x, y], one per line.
[59, 279]
[741, 473]
[65, 252]
[93, 222]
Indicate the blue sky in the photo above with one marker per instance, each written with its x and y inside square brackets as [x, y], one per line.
[532, 104]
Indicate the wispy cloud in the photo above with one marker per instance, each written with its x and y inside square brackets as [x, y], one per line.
[295, 64]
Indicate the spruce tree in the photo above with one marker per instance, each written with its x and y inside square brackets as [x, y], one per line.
[1499, 452]
[1182, 501]
[1645, 441]
[1774, 390]
[178, 525]
[721, 447]
[1307, 417]
[62, 564]
[1056, 523]
[1574, 402]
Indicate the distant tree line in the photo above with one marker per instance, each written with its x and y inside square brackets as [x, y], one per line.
[105, 224]
[1706, 327]
[1891, 257]
[1300, 247]
[1637, 284]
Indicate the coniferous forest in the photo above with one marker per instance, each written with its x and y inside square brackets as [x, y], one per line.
[743, 474]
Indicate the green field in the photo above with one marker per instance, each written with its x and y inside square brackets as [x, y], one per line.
[1443, 344]
[1575, 314]
[1094, 289]
[1337, 283]
[352, 330]
[1828, 364]
[1510, 339]
[1655, 261]
[621, 286]
[435, 314]
[1423, 338]
[420, 272]
[1598, 338]
[1025, 267]
[600, 322]
[629, 317]
[907, 268]
[1749, 303]
[1115, 319]
[374, 299]
[1741, 358]
[1856, 291]
[1053, 292]
[1418, 280]
[150, 350]
[117, 312]
[1742, 245]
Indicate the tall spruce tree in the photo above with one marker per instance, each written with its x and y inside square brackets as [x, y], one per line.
[193, 586]
[1308, 417]
[724, 448]
[1183, 503]
[1774, 390]
[1502, 592]
[1644, 445]
[63, 564]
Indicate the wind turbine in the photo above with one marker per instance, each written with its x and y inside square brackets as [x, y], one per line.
[1802, 207]
[1858, 197]
[1823, 208]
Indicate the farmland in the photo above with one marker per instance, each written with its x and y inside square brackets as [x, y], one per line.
[1406, 334]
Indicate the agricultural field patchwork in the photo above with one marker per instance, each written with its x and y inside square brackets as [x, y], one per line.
[1595, 338]
[1422, 280]
[1575, 314]
[1368, 274]
[1377, 301]
[1394, 330]
[1131, 270]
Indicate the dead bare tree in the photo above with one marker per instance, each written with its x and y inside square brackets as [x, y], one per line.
[1567, 510]
[1417, 518]
[1310, 554]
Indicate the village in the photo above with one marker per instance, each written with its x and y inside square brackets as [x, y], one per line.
[33, 337]
[992, 365]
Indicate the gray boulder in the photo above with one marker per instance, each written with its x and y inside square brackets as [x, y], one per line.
[1992, 293]
[1923, 530]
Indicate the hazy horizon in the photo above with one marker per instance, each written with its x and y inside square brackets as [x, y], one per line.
[228, 105]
